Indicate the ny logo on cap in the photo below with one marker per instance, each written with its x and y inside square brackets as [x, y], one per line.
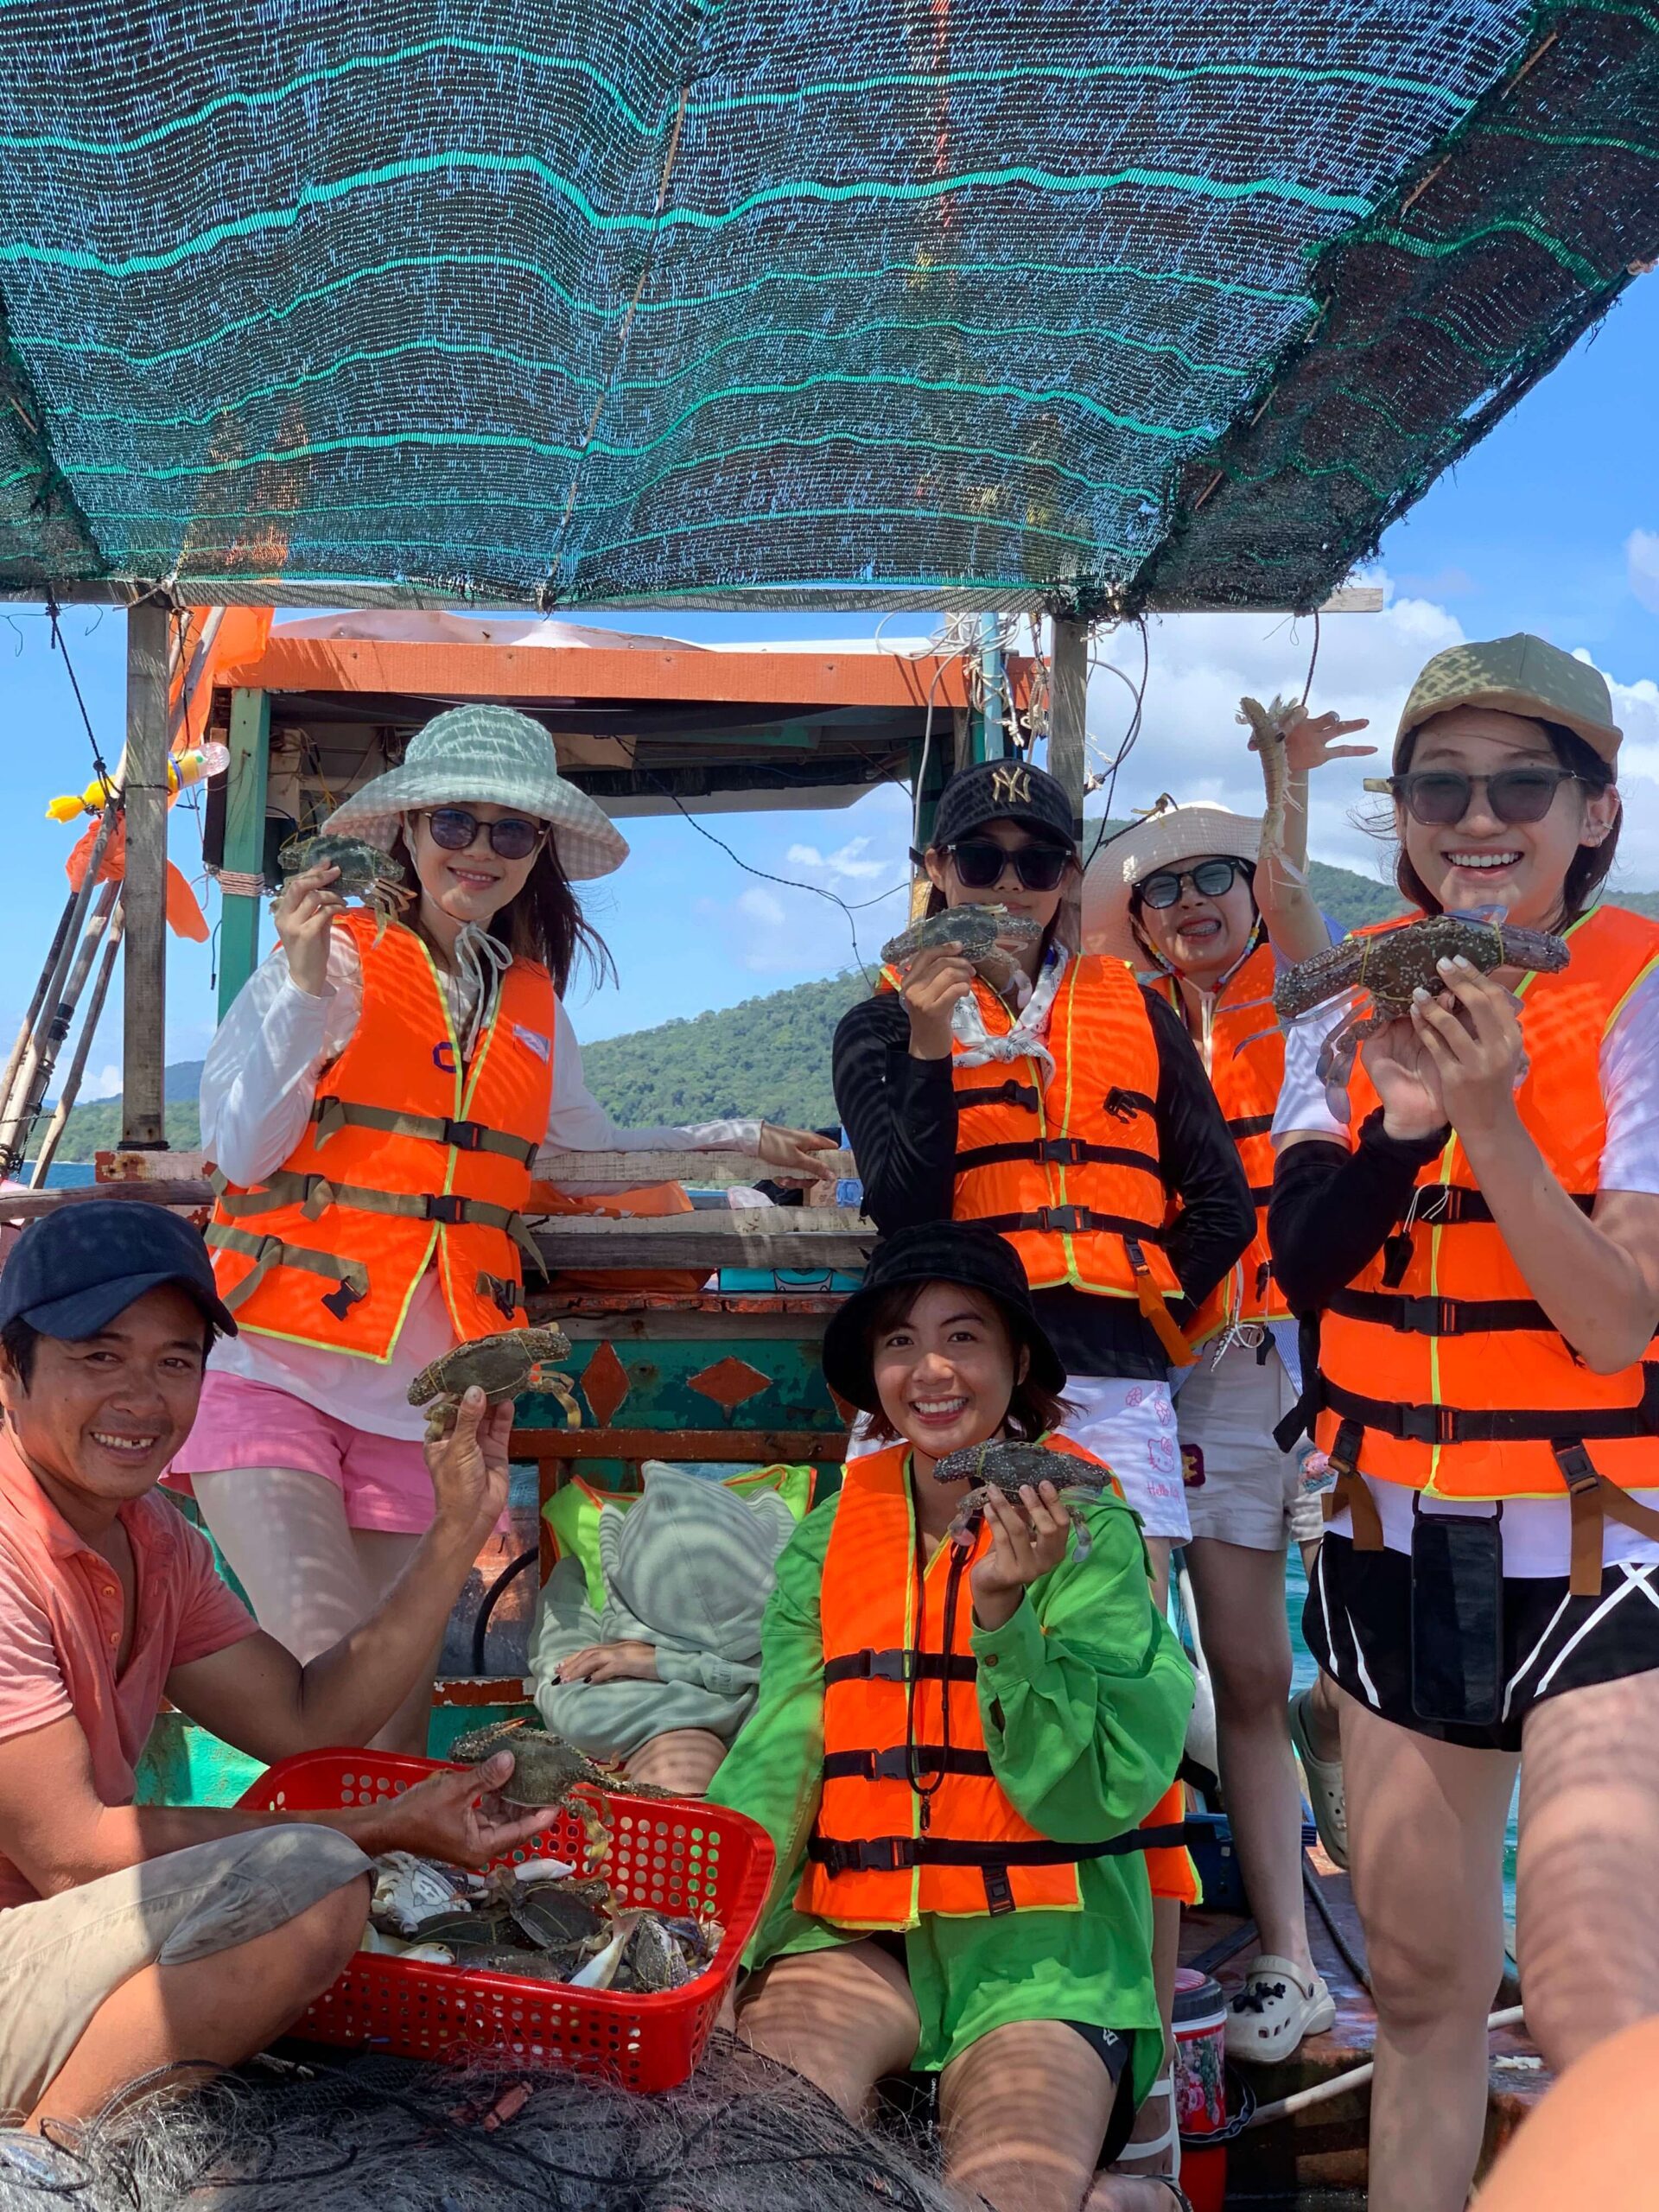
[1011, 786]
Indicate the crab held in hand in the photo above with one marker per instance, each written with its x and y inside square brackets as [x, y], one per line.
[501, 1367]
[985, 934]
[1392, 963]
[1009, 1467]
[365, 872]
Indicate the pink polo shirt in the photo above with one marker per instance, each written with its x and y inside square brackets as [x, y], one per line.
[61, 1628]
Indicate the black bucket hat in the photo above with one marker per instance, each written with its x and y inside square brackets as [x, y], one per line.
[1004, 790]
[942, 1251]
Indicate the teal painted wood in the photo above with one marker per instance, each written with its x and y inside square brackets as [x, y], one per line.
[661, 1386]
[244, 839]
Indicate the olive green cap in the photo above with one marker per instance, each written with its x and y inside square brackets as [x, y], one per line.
[1522, 675]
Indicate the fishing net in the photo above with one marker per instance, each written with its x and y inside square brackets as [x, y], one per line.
[1111, 302]
[380, 2134]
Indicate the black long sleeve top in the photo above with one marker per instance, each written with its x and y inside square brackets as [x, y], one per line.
[1332, 1211]
[900, 1117]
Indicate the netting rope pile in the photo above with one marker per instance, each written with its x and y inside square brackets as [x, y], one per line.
[572, 301]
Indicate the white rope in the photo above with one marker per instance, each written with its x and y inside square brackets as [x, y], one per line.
[234, 883]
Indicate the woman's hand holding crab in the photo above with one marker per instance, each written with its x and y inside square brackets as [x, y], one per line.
[1028, 1540]
[1475, 1045]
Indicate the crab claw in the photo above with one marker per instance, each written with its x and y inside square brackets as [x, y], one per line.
[557, 1386]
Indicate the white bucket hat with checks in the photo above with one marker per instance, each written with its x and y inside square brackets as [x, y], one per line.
[496, 756]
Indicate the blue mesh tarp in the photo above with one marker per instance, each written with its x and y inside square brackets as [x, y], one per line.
[536, 300]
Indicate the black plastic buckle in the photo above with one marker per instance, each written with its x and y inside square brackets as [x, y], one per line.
[868, 1666]
[1061, 1221]
[1428, 1425]
[888, 1854]
[1061, 1152]
[339, 1302]
[447, 1207]
[1578, 1469]
[464, 1137]
[1343, 1454]
[1428, 1317]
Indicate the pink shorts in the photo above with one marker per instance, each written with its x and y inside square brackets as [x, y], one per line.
[383, 1480]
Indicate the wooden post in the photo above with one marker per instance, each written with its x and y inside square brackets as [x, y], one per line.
[1068, 710]
[144, 1011]
[244, 841]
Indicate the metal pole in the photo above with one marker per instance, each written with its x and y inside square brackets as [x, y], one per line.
[16, 1059]
[29, 1082]
[145, 1013]
[1068, 711]
[71, 1090]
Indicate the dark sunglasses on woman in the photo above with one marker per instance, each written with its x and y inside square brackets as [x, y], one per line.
[1210, 878]
[1439, 797]
[979, 861]
[513, 838]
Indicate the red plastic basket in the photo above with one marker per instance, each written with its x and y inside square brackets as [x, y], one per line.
[676, 1855]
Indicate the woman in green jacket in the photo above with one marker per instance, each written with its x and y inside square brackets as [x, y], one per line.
[966, 1894]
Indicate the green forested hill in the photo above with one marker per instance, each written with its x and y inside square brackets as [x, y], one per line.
[769, 1056]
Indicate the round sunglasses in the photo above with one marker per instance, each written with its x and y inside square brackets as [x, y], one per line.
[1438, 798]
[979, 863]
[511, 838]
[1210, 878]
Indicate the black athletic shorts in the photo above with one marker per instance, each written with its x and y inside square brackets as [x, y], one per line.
[1358, 1624]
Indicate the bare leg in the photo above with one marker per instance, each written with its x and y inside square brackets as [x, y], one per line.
[1156, 2116]
[1425, 1833]
[220, 2009]
[1587, 1918]
[1158, 1551]
[311, 1578]
[1241, 1596]
[383, 1555]
[842, 2018]
[1022, 2113]
[681, 1759]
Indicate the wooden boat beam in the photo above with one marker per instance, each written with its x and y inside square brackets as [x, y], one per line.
[144, 981]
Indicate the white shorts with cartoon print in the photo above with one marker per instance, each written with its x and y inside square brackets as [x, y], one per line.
[1131, 1425]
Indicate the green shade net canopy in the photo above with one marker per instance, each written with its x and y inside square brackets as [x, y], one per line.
[778, 301]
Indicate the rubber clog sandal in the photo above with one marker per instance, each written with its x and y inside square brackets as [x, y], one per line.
[1325, 1792]
[1269, 2017]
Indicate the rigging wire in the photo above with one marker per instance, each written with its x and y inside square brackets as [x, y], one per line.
[1313, 658]
[1138, 692]
[100, 767]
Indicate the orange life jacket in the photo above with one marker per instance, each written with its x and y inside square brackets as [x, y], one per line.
[408, 1155]
[1244, 1054]
[1438, 1367]
[1067, 1169]
[900, 1707]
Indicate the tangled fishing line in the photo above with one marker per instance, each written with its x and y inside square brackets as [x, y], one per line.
[374, 2133]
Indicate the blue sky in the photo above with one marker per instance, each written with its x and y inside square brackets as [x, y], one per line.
[1552, 525]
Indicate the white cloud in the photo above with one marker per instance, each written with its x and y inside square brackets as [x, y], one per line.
[1641, 567]
[850, 861]
[103, 1082]
[1193, 746]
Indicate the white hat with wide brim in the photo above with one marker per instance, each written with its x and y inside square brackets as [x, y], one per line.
[1169, 836]
[495, 756]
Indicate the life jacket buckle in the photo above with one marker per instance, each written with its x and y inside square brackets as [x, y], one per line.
[1428, 1317]
[446, 1206]
[1062, 1221]
[1578, 1471]
[1061, 1152]
[1123, 1105]
[464, 1137]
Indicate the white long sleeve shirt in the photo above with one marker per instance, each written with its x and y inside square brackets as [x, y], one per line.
[259, 1084]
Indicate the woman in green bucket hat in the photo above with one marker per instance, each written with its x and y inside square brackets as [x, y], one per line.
[374, 1102]
[1476, 1240]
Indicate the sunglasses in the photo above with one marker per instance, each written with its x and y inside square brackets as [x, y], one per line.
[1440, 797]
[511, 838]
[979, 861]
[1210, 878]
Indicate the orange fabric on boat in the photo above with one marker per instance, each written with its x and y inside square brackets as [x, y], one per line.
[653, 1201]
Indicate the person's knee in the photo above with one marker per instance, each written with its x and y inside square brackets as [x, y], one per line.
[1250, 1679]
[325, 1935]
[1424, 1972]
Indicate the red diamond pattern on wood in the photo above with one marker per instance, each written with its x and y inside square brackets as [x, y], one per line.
[604, 1383]
[729, 1383]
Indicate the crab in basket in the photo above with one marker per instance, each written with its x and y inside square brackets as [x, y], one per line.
[1007, 1467]
[501, 1366]
[365, 872]
[983, 932]
[1392, 963]
[546, 1770]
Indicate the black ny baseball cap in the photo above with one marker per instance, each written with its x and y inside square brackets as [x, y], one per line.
[72, 1271]
[1003, 791]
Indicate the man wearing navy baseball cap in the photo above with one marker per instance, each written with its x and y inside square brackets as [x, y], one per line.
[133, 1937]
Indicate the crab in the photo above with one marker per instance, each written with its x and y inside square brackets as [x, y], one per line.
[1394, 963]
[1007, 1467]
[501, 1367]
[983, 932]
[365, 872]
[546, 1770]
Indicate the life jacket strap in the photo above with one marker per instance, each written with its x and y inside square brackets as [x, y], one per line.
[502, 1291]
[1123, 1105]
[1439, 1317]
[1449, 1205]
[1592, 1499]
[896, 1854]
[1240, 1126]
[1011, 1093]
[903, 1763]
[1072, 1220]
[900, 1665]
[351, 1277]
[314, 1194]
[1412, 1424]
[330, 1115]
[1055, 1152]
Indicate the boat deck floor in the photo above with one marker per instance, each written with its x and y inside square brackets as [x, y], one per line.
[1314, 2160]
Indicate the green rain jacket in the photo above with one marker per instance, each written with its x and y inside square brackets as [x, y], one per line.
[1084, 1695]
